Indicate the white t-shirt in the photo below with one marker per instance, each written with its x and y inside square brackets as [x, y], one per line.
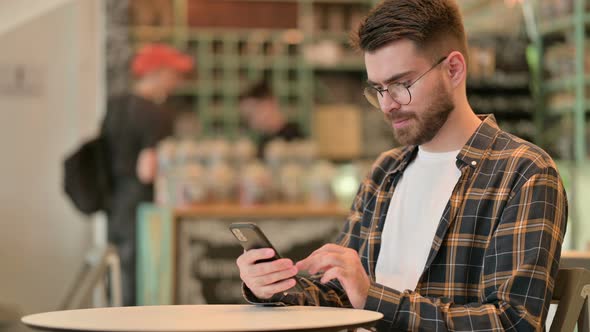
[414, 213]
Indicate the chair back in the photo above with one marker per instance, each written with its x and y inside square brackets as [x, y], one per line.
[571, 292]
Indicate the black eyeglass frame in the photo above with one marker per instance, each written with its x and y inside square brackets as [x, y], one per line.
[406, 86]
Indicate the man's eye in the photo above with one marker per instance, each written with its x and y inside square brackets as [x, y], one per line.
[406, 84]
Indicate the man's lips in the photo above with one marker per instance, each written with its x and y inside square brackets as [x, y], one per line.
[400, 122]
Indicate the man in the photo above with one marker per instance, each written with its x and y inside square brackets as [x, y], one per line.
[260, 110]
[460, 229]
[134, 124]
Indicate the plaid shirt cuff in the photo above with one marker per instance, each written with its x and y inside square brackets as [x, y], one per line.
[384, 300]
[278, 300]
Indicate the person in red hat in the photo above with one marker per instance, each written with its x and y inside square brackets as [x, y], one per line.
[134, 124]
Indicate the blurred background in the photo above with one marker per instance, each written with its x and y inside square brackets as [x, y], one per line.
[62, 60]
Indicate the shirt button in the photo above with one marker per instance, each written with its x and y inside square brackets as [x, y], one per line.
[474, 163]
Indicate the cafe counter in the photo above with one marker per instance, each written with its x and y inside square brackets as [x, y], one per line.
[188, 255]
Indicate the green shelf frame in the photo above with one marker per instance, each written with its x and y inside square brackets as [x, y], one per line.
[562, 24]
[574, 28]
[229, 60]
[564, 110]
[564, 84]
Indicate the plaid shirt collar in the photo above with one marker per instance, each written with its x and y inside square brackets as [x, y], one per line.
[471, 153]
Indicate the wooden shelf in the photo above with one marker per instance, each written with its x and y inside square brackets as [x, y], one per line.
[567, 83]
[500, 82]
[261, 211]
[561, 24]
[568, 109]
[361, 2]
[575, 254]
[575, 259]
[353, 66]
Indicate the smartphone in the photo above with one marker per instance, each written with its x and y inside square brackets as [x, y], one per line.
[250, 237]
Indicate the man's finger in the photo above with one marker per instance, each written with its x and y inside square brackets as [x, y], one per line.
[253, 255]
[333, 273]
[272, 278]
[320, 262]
[329, 248]
[267, 292]
[310, 260]
[261, 269]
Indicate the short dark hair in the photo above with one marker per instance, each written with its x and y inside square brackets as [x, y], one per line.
[260, 90]
[435, 27]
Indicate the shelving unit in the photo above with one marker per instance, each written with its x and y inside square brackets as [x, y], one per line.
[572, 117]
[229, 59]
[571, 26]
[498, 81]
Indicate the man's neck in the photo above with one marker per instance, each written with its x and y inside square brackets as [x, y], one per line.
[458, 128]
[278, 122]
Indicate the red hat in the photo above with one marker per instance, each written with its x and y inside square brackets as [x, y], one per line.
[155, 56]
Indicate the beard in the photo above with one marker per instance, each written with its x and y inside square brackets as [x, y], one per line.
[423, 126]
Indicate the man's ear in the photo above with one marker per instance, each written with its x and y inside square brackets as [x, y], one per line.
[456, 68]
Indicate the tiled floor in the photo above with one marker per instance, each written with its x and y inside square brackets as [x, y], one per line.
[17, 327]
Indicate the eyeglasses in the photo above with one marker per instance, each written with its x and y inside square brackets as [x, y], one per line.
[400, 92]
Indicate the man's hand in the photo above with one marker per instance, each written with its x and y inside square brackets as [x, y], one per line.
[343, 264]
[147, 165]
[268, 278]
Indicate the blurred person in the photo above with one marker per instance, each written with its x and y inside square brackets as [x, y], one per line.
[460, 228]
[134, 124]
[260, 109]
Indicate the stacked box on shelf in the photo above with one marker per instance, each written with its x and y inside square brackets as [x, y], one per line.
[339, 76]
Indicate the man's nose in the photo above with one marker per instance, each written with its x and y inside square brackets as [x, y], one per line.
[388, 104]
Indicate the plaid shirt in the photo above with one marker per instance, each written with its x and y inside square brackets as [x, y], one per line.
[495, 255]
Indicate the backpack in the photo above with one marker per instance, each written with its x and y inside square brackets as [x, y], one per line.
[87, 180]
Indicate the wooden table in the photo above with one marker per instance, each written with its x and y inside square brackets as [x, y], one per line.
[198, 318]
[261, 211]
[187, 255]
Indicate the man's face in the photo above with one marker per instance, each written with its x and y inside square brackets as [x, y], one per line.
[170, 79]
[258, 113]
[418, 122]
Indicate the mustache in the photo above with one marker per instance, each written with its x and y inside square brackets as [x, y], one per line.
[396, 116]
